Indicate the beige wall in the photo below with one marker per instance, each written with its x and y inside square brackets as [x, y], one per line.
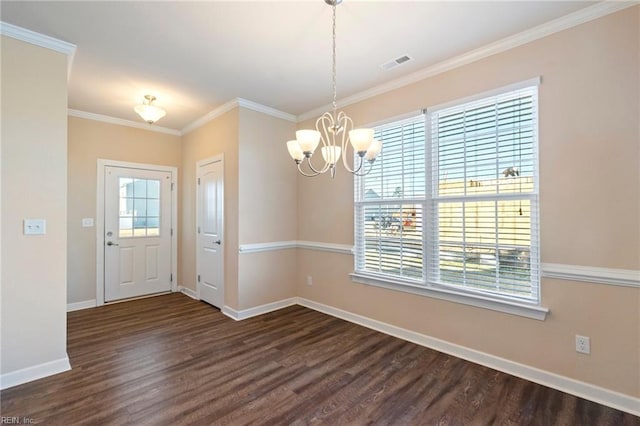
[589, 197]
[267, 208]
[266, 176]
[89, 141]
[267, 179]
[34, 185]
[219, 136]
[258, 194]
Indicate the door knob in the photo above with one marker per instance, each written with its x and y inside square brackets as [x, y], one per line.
[218, 242]
[111, 243]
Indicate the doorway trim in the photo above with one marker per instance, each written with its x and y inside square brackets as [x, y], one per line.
[200, 163]
[100, 189]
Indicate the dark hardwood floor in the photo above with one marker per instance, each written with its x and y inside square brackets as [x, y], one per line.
[172, 360]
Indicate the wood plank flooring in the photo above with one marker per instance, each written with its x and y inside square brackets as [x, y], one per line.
[173, 360]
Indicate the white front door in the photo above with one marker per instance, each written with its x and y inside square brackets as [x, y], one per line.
[137, 232]
[209, 237]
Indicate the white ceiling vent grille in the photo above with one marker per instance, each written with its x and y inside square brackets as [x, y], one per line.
[395, 62]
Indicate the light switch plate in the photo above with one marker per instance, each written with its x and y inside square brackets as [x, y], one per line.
[87, 222]
[35, 227]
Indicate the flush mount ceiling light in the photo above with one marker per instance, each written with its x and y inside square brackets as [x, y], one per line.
[334, 129]
[149, 113]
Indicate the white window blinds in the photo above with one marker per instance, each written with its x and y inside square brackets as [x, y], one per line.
[455, 207]
[389, 204]
[483, 196]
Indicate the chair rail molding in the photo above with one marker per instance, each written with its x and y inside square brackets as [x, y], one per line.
[592, 274]
[282, 245]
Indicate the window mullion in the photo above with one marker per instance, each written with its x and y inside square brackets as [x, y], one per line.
[429, 255]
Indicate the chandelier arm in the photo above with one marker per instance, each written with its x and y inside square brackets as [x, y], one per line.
[348, 126]
[317, 172]
[355, 172]
[306, 174]
[362, 160]
[323, 126]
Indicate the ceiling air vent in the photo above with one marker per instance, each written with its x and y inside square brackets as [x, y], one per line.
[395, 62]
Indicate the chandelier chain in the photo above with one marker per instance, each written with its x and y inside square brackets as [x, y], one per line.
[334, 73]
[334, 130]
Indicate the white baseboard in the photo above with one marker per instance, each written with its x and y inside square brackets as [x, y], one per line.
[258, 310]
[76, 306]
[580, 389]
[35, 372]
[192, 294]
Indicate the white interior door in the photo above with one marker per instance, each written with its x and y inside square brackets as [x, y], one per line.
[210, 237]
[137, 232]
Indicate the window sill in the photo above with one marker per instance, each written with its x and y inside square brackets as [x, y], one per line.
[514, 308]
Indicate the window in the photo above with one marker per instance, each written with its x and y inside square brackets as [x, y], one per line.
[483, 195]
[139, 207]
[390, 203]
[455, 208]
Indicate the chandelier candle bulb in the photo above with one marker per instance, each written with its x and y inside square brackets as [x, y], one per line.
[308, 140]
[295, 151]
[374, 150]
[361, 140]
[331, 154]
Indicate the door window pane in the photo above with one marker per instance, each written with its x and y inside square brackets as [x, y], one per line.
[153, 189]
[153, 226]
[153, 208]
[140, 188]
[139, 207]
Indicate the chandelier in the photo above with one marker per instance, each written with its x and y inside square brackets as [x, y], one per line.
[149, 113]
[335, 131]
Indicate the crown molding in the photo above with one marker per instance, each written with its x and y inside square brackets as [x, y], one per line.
[236, 103]
[122, 122]
[226, 107]
[574, 19]
[41, 40]
[254, 106]
[38, 39]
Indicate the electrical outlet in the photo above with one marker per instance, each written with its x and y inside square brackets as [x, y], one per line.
[583, 344]
[309, 280]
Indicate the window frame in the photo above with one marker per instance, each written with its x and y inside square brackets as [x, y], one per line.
[427, 286]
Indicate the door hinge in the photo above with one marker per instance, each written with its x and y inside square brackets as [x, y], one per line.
[198, 229]
[198, 181]
[198, 278]
[171, 278]
[172, 185]
[172, 232]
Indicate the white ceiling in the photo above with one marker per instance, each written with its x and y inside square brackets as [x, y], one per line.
[196, 56]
